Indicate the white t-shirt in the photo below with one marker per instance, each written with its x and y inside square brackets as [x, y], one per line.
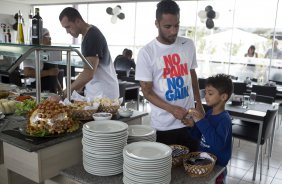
[277, 53]
[168, 67]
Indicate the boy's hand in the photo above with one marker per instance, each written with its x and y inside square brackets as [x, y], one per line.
[189, 122]
[195, 114]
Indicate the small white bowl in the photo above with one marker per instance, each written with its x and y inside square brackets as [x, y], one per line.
[102, 116]
[123, 112]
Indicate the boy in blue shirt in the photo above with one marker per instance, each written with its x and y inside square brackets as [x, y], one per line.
[214, 129]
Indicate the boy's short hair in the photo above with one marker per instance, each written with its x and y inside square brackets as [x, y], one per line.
[222, 83]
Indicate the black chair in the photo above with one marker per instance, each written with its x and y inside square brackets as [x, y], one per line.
[250, 133]
[202, 83]
[265, 90]
[240, 88]
[129, 92]
[124, 64]
[264, 99]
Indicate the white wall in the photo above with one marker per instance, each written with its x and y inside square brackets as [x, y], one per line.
[8, 10]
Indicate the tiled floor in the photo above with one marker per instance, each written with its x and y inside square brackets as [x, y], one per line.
[240, 168]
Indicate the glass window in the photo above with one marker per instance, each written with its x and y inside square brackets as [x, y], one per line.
[222, 49]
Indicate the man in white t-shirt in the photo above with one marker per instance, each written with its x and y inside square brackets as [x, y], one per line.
[166, 71]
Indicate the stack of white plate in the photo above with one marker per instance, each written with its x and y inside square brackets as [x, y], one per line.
[147, 163]
[103, 143]
[141, 133]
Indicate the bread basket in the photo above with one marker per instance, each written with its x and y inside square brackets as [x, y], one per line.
[178, 153]
[83, 115]
[109, 109]
[198, 170]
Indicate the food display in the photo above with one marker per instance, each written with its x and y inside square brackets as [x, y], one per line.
[108, 105]
[4, 93]
[50, 118]
[22, 108]
[22, 98]
[83, 110]
[7, 106]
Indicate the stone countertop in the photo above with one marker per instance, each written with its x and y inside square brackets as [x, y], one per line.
[11, 122]
[178, 176]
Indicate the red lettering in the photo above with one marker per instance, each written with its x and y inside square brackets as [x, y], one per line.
[166, 72]
[168, 61]
[176, 59]
[184, 69]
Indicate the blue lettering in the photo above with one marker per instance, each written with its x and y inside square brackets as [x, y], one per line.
[179, 93]
[174, 83]
[169, 95]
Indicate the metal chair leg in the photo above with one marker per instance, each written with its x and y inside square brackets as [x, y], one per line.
[260, 162]
[266, 146]
[268, 156]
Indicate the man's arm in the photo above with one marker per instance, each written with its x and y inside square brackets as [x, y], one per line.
[196, 91]
[150, 95]
[30, 72]
[86, 75]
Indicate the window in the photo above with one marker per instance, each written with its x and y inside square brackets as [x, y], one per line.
[220, 50]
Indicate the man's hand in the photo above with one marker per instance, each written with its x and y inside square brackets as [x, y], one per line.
[178, 112]
[55, 98]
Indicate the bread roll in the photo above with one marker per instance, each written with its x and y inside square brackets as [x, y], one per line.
[7, 108]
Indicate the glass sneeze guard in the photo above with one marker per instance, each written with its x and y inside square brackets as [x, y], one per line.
[12, 55]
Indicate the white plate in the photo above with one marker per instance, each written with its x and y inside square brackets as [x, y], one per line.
[105, 126]
[112, 136]
[140, 130]
[147, 150]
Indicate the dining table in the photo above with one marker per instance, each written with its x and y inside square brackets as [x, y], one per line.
[254, 113]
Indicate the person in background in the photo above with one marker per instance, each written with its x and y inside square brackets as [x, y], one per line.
[277, 53]
[166, 71]
[94, 48]
[251, 52]
[49, 72]
[125, 63]
[214, 129]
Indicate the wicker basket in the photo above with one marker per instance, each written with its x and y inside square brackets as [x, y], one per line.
[110, 109]
[83, 115]
[198, 170]
[178, 153]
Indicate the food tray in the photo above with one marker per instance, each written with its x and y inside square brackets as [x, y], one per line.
[178, 153]
[195, 170]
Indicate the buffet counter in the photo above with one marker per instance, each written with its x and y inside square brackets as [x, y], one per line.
[42, 158]
[77, 174]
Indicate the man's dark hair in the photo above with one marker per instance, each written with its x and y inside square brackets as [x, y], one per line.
[128, 53]
[71, 13]
[253, 47]
[222, 83]
[166, 7]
